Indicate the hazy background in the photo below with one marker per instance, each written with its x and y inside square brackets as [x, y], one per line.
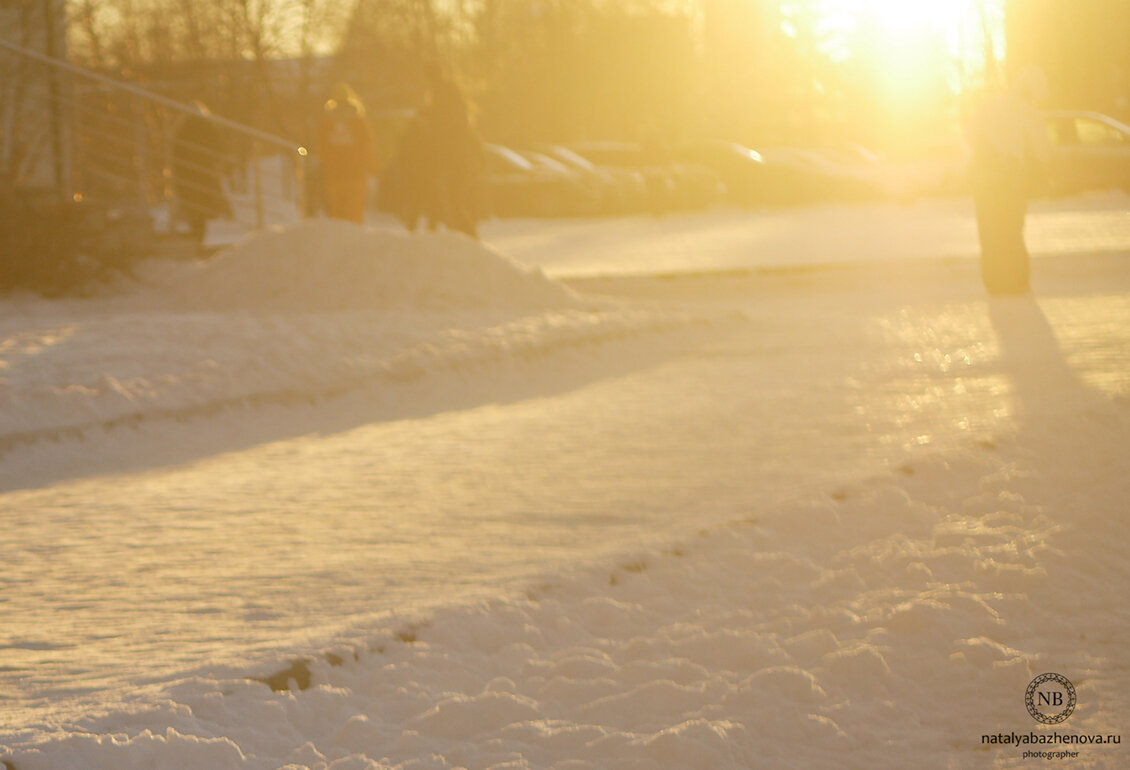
[893, 76]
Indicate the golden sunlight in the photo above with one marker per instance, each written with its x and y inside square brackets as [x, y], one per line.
[909, 16]
[919, 41]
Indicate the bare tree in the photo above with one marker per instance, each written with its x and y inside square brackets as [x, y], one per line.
[256, 57]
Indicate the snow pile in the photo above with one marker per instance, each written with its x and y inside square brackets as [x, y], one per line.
[289, 315]
[888, 623]
[329, 265]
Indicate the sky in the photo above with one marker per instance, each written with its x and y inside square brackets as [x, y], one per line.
[907, 33]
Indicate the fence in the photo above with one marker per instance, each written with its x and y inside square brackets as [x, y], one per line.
[81, 135]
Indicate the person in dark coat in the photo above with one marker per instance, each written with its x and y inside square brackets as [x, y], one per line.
[408, 184]
[347, 154]
[436, 175]
[1010, 157]
[457, 157]
[198, 161]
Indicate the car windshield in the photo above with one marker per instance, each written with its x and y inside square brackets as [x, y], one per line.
[507, 157]
[744, 151]
[544, 160]
[627, 155]
[566, 155]
[1086, 130]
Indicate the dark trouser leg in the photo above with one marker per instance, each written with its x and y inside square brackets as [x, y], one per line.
[197, 226]
[1000, 228]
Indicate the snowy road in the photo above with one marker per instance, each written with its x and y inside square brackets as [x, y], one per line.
[146, 552]
[774, 238]
[475, 485]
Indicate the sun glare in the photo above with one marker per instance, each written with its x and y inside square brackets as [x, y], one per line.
[911, 16]
[909, 37]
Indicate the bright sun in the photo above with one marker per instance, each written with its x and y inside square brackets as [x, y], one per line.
[905, 16]
[912, 36]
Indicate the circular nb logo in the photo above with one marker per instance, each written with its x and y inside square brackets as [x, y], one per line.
[1050, 698]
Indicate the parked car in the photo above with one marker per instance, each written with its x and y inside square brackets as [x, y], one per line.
[657, 177]
[619, 190]
[696, 186]
[809, 174]
[581, 194]
[1090, 151]
[517, 186]
[784, 175]
[670, 184]
[741, 169]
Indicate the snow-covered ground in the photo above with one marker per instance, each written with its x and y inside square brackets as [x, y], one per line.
[790, 237]
[459, 514]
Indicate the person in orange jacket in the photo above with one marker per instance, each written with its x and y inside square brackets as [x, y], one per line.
[348, 155]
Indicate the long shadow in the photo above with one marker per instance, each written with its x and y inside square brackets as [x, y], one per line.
[1072, 469]
[139, 443]
[1052, 405]
[1031, 357]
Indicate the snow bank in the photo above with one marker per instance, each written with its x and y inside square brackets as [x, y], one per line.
[888, 623]
[292, 314]
[329, 265]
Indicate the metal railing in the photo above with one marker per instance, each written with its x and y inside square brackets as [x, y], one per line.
[86, 136]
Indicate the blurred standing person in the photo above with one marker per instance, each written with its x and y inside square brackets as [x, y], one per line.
[456, 157]
[347, 154]
[1010, 158]
[198, 161]
[407, 185]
